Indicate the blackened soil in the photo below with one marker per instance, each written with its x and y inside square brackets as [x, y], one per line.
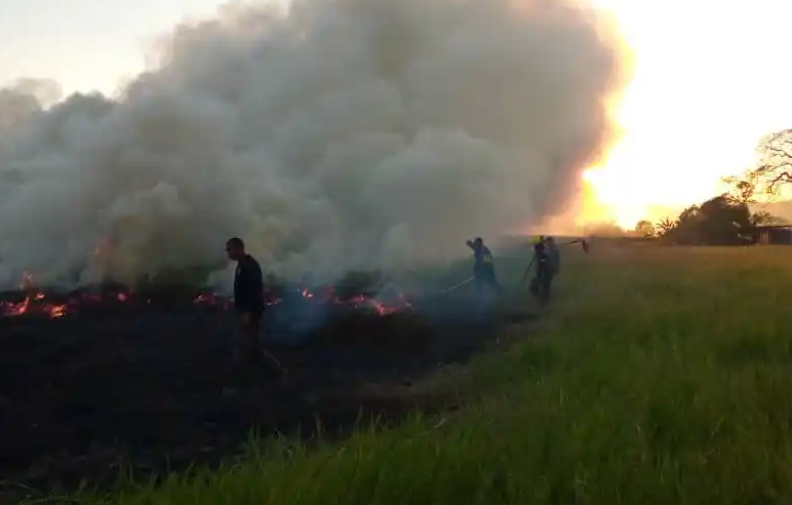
[156, 389]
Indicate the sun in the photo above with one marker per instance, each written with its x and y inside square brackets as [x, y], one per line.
[709, 81]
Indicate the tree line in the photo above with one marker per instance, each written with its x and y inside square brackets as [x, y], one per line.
[728, 219]
[722, 220]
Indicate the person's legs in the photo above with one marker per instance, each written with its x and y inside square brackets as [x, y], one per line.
[249, 335]
[492, 281]
[539, 283]
[548, 284]
[544, 280]
[478, 283]
[264, 357]
[534, 286]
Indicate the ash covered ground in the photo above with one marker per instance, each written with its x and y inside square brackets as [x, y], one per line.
[95, 381]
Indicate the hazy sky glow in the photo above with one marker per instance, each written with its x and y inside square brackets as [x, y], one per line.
[86, 44]
[710, 81]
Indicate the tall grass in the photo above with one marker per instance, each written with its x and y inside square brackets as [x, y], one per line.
[658, 376]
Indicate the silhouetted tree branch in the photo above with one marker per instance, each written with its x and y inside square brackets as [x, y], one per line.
[764, 218]
[773, 169]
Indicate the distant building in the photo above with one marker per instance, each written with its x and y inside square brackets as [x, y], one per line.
[774, 235]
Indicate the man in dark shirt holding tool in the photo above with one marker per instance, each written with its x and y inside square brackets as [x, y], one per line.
[249, 301]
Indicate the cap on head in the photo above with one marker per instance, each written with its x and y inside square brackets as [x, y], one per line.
[479, 240]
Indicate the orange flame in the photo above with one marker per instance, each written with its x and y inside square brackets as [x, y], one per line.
[57, 311]
[36, 302]
[328, 294]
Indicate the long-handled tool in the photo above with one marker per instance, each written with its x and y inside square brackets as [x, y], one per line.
[274, 363]
[457, 286]
[583, 244]
[528, 269]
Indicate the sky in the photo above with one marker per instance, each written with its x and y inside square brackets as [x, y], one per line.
[709, 82]
[710, 79]
[86, 44]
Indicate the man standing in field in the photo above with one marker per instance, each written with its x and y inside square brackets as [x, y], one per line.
[249, 302]
[540, 284]
[483, 268]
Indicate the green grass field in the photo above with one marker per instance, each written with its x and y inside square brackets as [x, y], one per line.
[658, 375]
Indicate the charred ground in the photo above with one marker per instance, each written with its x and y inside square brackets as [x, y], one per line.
[147, 381]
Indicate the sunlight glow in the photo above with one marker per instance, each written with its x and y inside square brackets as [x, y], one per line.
[709, 81]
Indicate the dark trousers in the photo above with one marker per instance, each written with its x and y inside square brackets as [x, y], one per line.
[485, 280]
[250, 348]
[541, 283]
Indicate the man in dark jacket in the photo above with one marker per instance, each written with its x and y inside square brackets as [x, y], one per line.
[249, 300]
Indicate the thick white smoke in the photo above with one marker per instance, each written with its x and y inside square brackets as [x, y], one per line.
[346, 134]
[25, 98]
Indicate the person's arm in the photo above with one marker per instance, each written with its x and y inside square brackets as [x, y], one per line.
[241, 299]
[470, 244]
[250, 278]
[256, 280]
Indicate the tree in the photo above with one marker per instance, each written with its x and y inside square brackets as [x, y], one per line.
[764, 218]
[718, 221]
[645, 229]
[772, 172]
[725, 221]
[665, 227]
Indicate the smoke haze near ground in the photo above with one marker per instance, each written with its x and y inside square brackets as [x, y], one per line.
[346, 134]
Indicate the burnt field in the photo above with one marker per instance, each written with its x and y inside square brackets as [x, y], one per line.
[95, 383]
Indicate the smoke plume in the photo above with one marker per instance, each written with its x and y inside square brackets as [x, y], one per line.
[342, 134]
[24, 98]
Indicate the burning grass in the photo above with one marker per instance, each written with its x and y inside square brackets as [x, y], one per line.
[357, 296]
[659, 376]
[358, 291]
[146, 377]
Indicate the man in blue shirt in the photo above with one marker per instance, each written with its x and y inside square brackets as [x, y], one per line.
[483, 267]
